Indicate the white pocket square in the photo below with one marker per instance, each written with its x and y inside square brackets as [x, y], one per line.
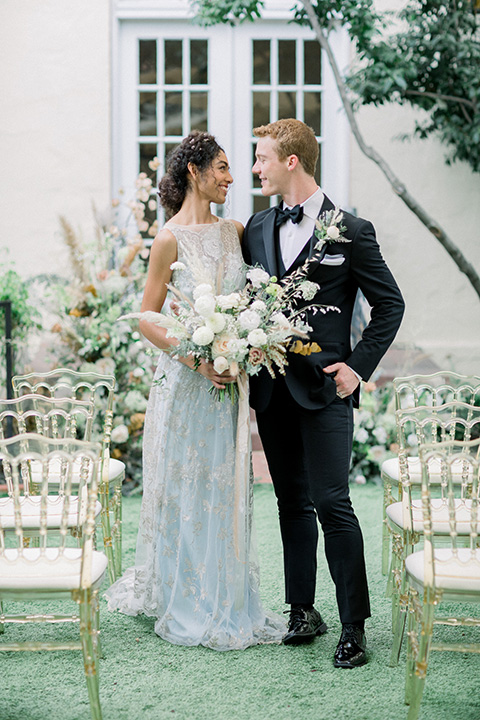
[333, 260]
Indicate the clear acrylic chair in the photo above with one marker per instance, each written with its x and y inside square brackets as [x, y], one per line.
[437, 574]
[64, 382]
[53, 571]
[421, 425]
[53, 418]
[414, 391]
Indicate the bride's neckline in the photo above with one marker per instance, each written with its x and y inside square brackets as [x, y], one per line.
[193, 224]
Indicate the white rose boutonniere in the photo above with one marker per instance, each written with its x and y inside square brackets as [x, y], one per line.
[328, 228]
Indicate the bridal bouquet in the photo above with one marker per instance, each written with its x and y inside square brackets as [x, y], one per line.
[244, 330]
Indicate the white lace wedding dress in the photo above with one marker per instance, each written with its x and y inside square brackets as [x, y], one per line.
[194, 570]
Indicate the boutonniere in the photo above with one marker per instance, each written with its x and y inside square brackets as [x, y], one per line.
[328, 228]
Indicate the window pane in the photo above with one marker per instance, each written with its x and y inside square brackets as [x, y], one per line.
[287, 107]
[312, 63]
[261, 62]
[256, 181]
[199, 110]
[148, 113]
[261, 108]
[168, 149]
[147, 153]
[147, 62]
[286, 62]
[173, 62]
[260, 203]
[199, 62]
[173, 113]
[312, 112]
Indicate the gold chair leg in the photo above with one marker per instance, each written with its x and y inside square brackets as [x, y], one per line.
[387, 494]
[2, 624]
[89, 646]
[117, 529]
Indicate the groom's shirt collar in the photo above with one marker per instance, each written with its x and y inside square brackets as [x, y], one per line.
[312, 205]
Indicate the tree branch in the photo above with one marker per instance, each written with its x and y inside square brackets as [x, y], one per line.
[398, 187]
[447, 98]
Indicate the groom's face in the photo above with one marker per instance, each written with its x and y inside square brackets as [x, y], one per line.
[272, 172]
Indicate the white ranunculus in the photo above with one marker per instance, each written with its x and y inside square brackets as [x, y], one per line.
[280, 319]
[202, 289]
[177, 265]
[258, 277]
[119, 434]
[203, 336]
[412, 440]
[361, 435]
[220, 364]
[360, 480]
[249, 320]
[228, 302]
[216, 322]
[257, 338]
[138, 372]
[259, 306]
[135, 401]
[380, 435]
[205, 305]
[333, 232]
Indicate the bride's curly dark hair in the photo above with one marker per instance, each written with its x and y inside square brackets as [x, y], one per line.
[198, 148]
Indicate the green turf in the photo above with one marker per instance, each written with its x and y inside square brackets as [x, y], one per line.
[142, 677]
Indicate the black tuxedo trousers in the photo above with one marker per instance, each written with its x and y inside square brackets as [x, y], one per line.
[308, 454]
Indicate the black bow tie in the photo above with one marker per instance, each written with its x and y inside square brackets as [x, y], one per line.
[294, 214]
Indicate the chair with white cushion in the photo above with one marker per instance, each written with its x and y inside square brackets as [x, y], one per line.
[53, 418]
[414, 391]
[451, 421]
[438, 573]
[53, 571]
[64, 382]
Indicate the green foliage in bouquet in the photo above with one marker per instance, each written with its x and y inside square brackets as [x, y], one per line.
[375, 437]
[25, 318]
[108, 278]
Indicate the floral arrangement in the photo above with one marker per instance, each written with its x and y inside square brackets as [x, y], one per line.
[328, 228]
[108, 278]
[375, 436]
[244, 330]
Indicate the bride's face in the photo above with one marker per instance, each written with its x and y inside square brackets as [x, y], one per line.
[213, 183]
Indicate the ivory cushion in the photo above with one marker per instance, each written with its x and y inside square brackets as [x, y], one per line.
[440, 516]
[29, 570]
[451, 573]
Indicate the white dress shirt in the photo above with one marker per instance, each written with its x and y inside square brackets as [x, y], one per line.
[293, 237]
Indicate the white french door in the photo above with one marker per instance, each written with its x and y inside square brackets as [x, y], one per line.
[172, 76]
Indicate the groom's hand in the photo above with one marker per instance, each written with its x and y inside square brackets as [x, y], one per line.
[345, 378]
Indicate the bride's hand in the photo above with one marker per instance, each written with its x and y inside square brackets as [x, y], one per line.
[207, 370]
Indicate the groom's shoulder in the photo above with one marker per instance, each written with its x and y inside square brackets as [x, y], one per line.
[259, 217]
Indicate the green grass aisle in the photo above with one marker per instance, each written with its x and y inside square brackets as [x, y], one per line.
[145, 678]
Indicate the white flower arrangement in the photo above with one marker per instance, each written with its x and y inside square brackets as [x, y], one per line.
[242, 331]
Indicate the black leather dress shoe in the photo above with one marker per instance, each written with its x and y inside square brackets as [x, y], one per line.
[303, 626]
[351, 649]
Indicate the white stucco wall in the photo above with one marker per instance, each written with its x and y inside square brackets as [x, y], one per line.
[442, 310]
[55, 124]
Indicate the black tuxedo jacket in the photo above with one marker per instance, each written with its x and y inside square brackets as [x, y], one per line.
[344, 268]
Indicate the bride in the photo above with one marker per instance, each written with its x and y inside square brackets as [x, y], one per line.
[194, 570]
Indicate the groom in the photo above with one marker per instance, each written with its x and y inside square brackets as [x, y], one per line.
[305, 419]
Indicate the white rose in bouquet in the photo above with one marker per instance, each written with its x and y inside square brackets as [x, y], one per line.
[220, 364]
[258, 277]
[202, 289]
[280, 320]
[228, 302]
[205, 305]
[249, 320]
[203, 336]
[257, 337]
[259, 306]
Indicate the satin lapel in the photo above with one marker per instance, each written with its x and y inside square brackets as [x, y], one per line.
[269, 242]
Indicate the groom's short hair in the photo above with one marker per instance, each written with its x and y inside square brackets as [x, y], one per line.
[293, 137]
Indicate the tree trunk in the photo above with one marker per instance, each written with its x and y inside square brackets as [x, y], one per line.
[398, 187]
